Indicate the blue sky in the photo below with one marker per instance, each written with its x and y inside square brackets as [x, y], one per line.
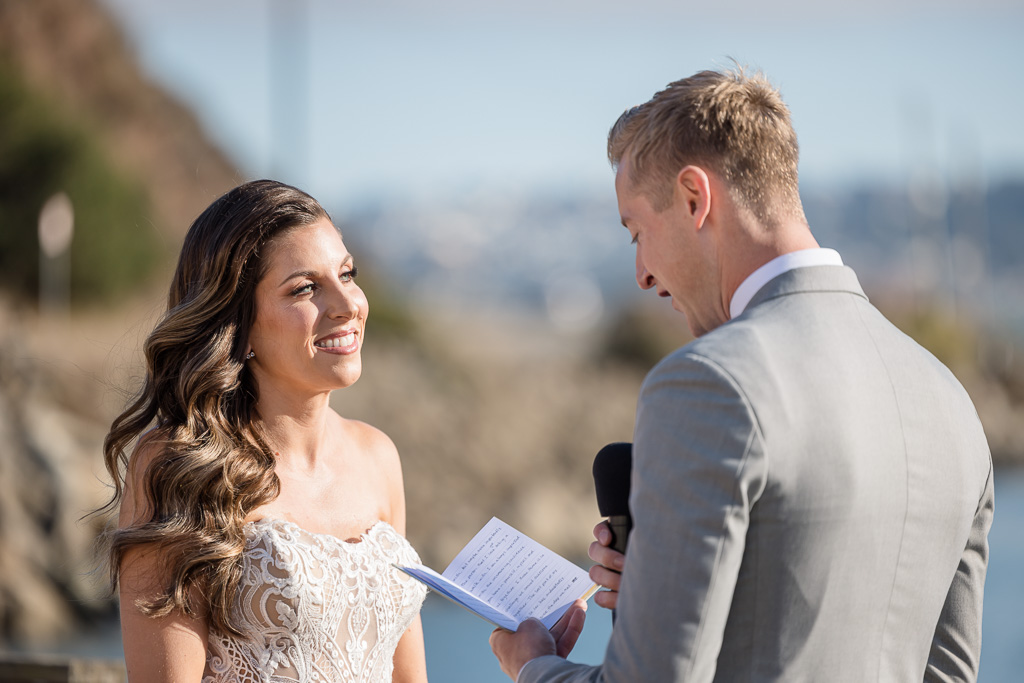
[408, 100]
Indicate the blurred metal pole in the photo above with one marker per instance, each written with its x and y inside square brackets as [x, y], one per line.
[928, 222]
[56, 228]
[289, 90]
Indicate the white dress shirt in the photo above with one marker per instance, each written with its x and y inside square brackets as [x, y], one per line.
[777, 266]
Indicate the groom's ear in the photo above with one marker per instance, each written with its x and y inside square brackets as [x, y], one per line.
[693, 189]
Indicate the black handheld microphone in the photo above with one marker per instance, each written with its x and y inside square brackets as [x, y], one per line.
[612, 467]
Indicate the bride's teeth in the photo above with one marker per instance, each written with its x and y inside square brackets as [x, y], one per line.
[336, 342]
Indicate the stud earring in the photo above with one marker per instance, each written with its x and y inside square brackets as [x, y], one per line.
[250, 355]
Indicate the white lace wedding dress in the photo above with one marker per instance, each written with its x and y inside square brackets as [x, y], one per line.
[316, 608]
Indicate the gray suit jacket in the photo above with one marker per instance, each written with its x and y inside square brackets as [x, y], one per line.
[812, 494]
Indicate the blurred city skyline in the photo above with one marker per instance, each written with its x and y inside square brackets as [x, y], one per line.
[405, 102]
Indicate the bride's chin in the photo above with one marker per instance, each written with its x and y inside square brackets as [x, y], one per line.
[348, 377]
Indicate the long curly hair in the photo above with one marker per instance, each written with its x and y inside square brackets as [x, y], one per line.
[213, 465]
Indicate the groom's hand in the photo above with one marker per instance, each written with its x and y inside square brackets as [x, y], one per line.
[606, 573]
[532, 640]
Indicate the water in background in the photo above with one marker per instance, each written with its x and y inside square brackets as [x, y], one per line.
[458, 652]
[1002, 644]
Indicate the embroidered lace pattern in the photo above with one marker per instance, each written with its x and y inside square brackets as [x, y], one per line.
[314, 608]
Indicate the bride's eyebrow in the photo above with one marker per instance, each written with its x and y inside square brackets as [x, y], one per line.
[311, 273]
[300, 273]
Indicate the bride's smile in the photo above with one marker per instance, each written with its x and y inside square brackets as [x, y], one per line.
[343, 342]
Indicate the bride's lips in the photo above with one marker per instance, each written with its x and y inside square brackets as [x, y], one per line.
[344, 342]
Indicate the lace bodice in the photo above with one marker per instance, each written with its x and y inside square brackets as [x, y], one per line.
[316, 608]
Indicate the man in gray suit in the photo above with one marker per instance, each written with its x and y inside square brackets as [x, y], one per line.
[812, 490]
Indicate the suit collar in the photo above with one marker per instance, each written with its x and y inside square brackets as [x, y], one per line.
[801, 258]
[809, 279]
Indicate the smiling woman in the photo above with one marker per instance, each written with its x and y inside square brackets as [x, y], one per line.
[257, 527]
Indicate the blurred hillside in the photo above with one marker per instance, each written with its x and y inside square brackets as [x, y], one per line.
[74, 55]
[80, 117]
[506, 341]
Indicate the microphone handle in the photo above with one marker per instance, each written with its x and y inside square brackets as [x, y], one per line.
[620, 526]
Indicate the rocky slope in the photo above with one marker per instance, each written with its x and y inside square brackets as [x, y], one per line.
[49, 478]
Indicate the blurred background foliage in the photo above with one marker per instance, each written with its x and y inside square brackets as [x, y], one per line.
[45, 150]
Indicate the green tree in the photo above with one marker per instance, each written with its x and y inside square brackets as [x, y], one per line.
[44, 151]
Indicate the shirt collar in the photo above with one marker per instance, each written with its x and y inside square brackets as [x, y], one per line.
[777, 266]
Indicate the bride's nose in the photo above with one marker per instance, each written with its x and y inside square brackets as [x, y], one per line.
[346, 301]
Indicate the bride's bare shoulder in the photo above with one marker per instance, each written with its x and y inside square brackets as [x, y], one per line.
[149, 446]
[369, 439]
[135, 504]
[381, 456]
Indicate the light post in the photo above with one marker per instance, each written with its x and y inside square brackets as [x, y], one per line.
[56, 227]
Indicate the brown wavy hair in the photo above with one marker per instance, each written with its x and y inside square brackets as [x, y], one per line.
[212, 465]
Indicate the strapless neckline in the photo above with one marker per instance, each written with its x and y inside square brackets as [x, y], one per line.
[276, 523]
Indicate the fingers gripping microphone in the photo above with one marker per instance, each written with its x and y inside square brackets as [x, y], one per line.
[612, 467]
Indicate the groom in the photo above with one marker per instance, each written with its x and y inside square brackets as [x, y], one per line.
[812, 490]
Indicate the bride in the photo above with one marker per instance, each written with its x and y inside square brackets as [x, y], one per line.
[257, 527]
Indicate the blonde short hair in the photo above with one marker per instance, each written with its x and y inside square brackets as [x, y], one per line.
[730, 123]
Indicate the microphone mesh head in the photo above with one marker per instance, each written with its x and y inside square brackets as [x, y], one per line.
[612, 467]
